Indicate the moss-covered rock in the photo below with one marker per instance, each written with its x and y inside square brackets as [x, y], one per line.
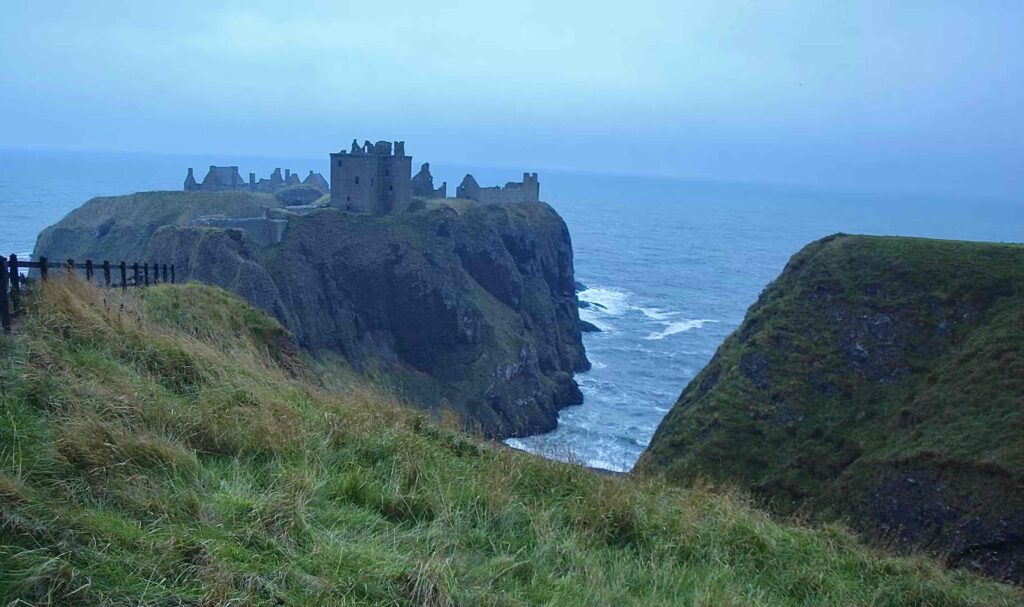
[472, 309]
[880, 379]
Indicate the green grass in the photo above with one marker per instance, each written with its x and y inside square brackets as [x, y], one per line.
[878, 359]
[169, 447]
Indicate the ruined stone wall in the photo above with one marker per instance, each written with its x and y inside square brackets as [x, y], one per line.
[527, 190]
[220, 179]
[423, 184]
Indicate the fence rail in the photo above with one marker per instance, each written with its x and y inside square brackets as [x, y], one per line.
[114, 275]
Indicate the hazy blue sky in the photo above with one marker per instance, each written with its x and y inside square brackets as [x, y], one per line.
[896, 94]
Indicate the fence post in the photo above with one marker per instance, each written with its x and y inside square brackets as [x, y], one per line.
[124, 276]
[135, 273]
[70, 266]
[44, 268]
[165, 273]
[12, 269]
[106, 273]
[88, 270]
[145, 269]
[5, 310]
[172, 273]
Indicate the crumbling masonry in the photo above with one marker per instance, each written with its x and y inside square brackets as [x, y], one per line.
[370, 178]
[223, 179]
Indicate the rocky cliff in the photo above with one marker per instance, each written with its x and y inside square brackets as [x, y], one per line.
[879, 380]
[472, 309]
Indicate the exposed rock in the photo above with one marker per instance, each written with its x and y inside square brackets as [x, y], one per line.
[473, 310]
[589, 327]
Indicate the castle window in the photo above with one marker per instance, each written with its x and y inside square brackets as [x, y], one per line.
[371, 182]
[357, 179]
[387, 172]
[339, 163]
[391, 188]
[348, 199]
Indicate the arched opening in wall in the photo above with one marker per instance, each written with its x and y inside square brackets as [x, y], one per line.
[391, 188]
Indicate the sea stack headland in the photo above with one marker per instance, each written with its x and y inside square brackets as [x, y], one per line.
[456, 303]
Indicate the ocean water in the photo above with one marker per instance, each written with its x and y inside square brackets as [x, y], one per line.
[670, 266]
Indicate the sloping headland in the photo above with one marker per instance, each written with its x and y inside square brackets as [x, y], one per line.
[173, 446]
[878, 380]
[461, 306]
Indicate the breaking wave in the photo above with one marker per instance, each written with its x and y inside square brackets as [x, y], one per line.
[679, 327]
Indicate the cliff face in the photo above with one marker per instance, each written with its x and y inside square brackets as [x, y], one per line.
[880, 380]
[474, 310]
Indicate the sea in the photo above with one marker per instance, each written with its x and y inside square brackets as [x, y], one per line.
[668, 266]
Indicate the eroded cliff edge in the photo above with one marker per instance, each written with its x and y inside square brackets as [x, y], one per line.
[879, 380]
[471, 308]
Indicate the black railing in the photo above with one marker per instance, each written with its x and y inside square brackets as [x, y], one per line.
[122, 275]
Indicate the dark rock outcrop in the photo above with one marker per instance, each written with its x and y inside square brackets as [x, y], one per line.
[475, 311]
[877, 380]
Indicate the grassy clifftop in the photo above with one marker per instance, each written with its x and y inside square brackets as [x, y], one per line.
[171, 447]
[880, 379]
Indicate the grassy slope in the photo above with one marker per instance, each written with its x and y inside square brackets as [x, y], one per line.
[127, 222]
[873, 355]
[169, 447]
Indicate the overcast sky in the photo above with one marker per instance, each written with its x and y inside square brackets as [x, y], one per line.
[897, 95]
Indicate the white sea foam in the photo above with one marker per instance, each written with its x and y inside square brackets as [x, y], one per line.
[680, 326]
[612, 301]
[655, 313]
[598, 320]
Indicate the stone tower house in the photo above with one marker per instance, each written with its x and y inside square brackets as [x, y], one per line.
[372, 178]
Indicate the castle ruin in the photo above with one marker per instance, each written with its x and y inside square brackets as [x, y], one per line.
[371, 178]
[527, 190]
[423, 184]
[225, 179]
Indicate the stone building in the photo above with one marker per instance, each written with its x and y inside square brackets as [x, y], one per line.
[423, 184]
[218, 179]
[372, 178]
[527, 190]
[317, 181]
[221, 179]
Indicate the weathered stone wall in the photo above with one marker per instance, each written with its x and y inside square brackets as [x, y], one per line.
[527, 190]
[395, 184]
[372, 178]
[223, 179]
[353, 181]
[423, 184]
